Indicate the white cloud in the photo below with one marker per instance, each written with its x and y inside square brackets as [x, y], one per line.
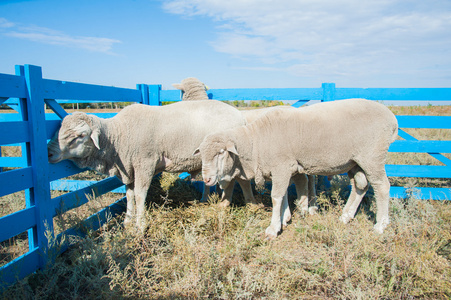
[55, 37]
[5, 23]
[332, 38]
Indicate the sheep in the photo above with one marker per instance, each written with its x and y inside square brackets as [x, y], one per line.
[328, 138]
[307, 204]
[141, 141]
[192, 89]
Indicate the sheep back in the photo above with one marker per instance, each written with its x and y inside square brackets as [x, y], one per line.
[324, 138]
[173, 131]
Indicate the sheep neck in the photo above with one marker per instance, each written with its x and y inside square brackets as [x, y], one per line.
[244, 144]
[106, 160]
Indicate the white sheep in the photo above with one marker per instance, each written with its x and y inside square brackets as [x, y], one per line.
[192, 89]
[141, 141]
[306, 201]
[325, 139]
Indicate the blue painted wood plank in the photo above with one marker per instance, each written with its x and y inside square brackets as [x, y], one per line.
[15, 180]
[54, 89]
[14, 132]
[144, 89]
[154, 92]
[421, 146]
[63, 169]
[51, 127]
[170, 95]
[19, 268]
[421, 193]
[300, 103]
[405, 135]
[267, 94]
[424, 122]
[39, 195]
[104, 115]
[12, 86]
[412, 94]
[56, 108]
[418, 171]
[10, 117]
[13, 162]
[81, 196]
[73, 185]
[16, 223]
[443, 159]
[94, 222]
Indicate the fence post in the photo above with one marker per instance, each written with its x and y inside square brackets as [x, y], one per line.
[144, 93]
[154, 94]
[328, 92]
[39, 195]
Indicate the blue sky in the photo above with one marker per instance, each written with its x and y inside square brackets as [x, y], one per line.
[233, 43]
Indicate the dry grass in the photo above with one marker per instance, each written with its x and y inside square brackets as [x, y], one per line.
[194, 250]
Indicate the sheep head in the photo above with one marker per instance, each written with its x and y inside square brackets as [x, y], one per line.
[76, 139]
[192, 89]
[218, 159]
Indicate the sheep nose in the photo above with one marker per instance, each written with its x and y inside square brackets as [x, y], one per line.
[207, 181]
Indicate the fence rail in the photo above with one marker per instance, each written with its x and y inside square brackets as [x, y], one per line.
[30, 128]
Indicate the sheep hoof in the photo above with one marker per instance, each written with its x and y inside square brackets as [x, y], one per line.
[270, 233]
[345, 218]
[303, 211]
[313, 210]
[128, 221]
[286, 219]
[380, 226]
[224, 203]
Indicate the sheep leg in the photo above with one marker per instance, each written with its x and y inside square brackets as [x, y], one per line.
[278, 192]
[286, 213]
[247, 191]
[130, 194]
[142, 184]
[312, 204]
[227, 193]
[382, 194]
[356, 196]
[301, 185]
[375, 173]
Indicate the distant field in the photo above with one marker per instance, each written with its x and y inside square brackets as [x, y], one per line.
[193, 250]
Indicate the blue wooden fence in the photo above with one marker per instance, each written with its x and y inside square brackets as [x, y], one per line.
[31, 127]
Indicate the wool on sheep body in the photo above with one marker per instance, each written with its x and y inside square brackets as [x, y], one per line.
[324, 139]
[306, 201]
[141, 141]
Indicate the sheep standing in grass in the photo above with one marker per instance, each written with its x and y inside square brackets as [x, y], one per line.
[305, 201]
[141, 141]
[329, 138]
[192, 89]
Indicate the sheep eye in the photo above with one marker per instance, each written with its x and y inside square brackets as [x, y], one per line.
[221, 151]
[73, 141]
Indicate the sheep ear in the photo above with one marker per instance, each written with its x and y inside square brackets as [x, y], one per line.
[206, 87]
[196, 152]
[95, 137]
[231, 148]
[178, 86]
